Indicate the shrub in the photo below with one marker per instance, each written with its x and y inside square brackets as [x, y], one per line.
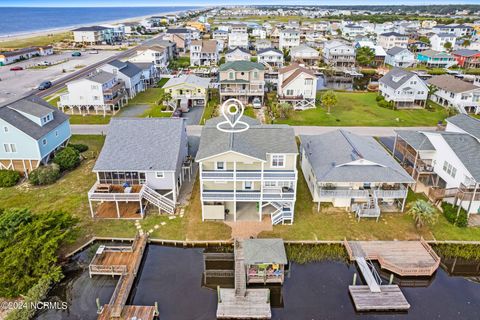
[450, 213]
[379, 98]
[79, 147]
[68, 158]
[386, 104]
[8, 178]
[45, 175]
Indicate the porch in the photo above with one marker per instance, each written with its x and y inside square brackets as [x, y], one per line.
[116, 201]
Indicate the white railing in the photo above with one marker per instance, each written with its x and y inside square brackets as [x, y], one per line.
[249, 175]
[343, 193]
[392, 194]
[268, 195]
[242, 91]
[112, 196]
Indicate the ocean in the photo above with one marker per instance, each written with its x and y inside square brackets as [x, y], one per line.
[20, 20]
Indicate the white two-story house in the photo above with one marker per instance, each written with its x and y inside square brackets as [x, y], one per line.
[155, 54]
[339, 54]
[445, 163]
[297, 85]
[288, 38]
[404, 88]
[452, 92]
[438, 41]
[100, 92]
[389, 40]
[271, 57]
[249, 175]
[31, 131]
[238, 39]
[237, 54]
[204, 53]
[305, 55]
[400, 57]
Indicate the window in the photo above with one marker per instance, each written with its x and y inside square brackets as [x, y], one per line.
[94, 87]
[247, 185]
[289, 92]
[278, 161]
[56, 133]
[159, 174]
[308, 82]
[220, 165]
[231, 75]
[44, 142]
[13, 147]
[269, 184]
[448, 168]
[5, 129]
[6, 147]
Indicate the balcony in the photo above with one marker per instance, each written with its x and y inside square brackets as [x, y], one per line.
[249, 175]
[119, 85]
[269, 194]
[233, 90]
[112, 192]
[383, 193]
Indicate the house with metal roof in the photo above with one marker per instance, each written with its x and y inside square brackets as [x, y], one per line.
[456, 93]
[100, 92]
[187, 91]
[242, 80]
[31, 131]
[143, 162]
[248, 175]
[357, 173]
[404, 88]
[129, 73]
[444, 164]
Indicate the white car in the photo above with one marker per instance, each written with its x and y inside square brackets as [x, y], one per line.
[257, 103]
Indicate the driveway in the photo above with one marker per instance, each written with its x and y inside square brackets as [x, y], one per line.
[133, 110]
[193, 116]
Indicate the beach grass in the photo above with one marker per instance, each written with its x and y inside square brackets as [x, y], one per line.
[41, 40]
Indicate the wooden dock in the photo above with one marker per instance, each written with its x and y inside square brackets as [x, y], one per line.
[390, 298]
[404, 258]
[243, 303]
[124, 261]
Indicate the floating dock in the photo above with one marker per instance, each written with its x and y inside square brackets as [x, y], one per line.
[405, 258]
[243, 303]
[123, 261]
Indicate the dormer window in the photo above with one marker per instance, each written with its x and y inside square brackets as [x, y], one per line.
[44, 142]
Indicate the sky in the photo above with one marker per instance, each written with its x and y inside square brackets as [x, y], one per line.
[139, 3]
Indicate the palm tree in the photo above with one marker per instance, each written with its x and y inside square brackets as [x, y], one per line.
[423, 213]
[431, 91]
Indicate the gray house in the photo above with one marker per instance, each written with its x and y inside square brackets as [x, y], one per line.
[143, 161]
[356, 174]
[129, 73]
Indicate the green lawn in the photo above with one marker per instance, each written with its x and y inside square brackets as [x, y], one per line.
[361, 109]
[249, 112]
[89, 119]
[210, 110]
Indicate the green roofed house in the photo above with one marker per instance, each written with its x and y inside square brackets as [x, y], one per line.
[265, 260]
[242, 80]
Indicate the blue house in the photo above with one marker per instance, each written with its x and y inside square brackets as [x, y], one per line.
[31, 130]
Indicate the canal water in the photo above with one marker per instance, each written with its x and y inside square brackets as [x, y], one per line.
[173, 277]
[345, 83]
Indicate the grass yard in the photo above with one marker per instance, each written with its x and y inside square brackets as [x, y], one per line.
[36, 41]
[89, 119]
[210, 109]
[336, 224]
[361, 109]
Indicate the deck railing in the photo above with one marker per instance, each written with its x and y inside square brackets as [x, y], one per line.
[247, 195]
[363, 194]
[248, 175]
[111, 269]
[112, 196]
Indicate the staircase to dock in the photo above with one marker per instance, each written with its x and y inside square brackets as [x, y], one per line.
[282, 214]
[158, 200]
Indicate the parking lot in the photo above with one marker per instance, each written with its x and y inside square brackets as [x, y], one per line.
[16, 83]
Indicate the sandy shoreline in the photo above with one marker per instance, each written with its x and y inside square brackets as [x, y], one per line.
[47, 32]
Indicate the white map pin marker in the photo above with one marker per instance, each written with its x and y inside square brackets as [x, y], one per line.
[232, 110]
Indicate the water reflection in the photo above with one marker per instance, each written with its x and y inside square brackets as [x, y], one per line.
[174, 277]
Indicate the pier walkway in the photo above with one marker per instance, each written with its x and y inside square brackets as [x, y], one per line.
[123, 261]
[405, 258]
[240, 302]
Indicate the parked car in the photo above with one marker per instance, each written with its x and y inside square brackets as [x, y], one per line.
[93, 51]
[17, 68]
[76, 54]
[257, 104]
[44, 63]
[45, 85]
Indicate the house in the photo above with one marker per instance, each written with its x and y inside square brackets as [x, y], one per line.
[436, 59]
[297, 85]
[400, 57]
[404, 88]
[197, 25]
[237, 54]
[170, 47]
[129, 73]
[339, 54]
[444, 164]
[143, 162]
[221, 37]
[418, 46]
[438, 41]
[271, 57]
[155, 54]
[356, 174]
[467, 58]
[389, 40]
[182, 37]
[150, 73]
[238, 37]
[456, 93]
[353, 31]
[380, 53]
[259, 33]
[31, 131]
[242, 80]
[100, 91]
[305, 55]
[288, 38]
[248, 175]
[93, 35]
[204, 53]
[458, 30]
[118, 31]
[187, 91]
[262, 44]
[8, 57]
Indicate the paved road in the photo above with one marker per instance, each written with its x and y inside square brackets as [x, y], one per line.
[299, 130]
